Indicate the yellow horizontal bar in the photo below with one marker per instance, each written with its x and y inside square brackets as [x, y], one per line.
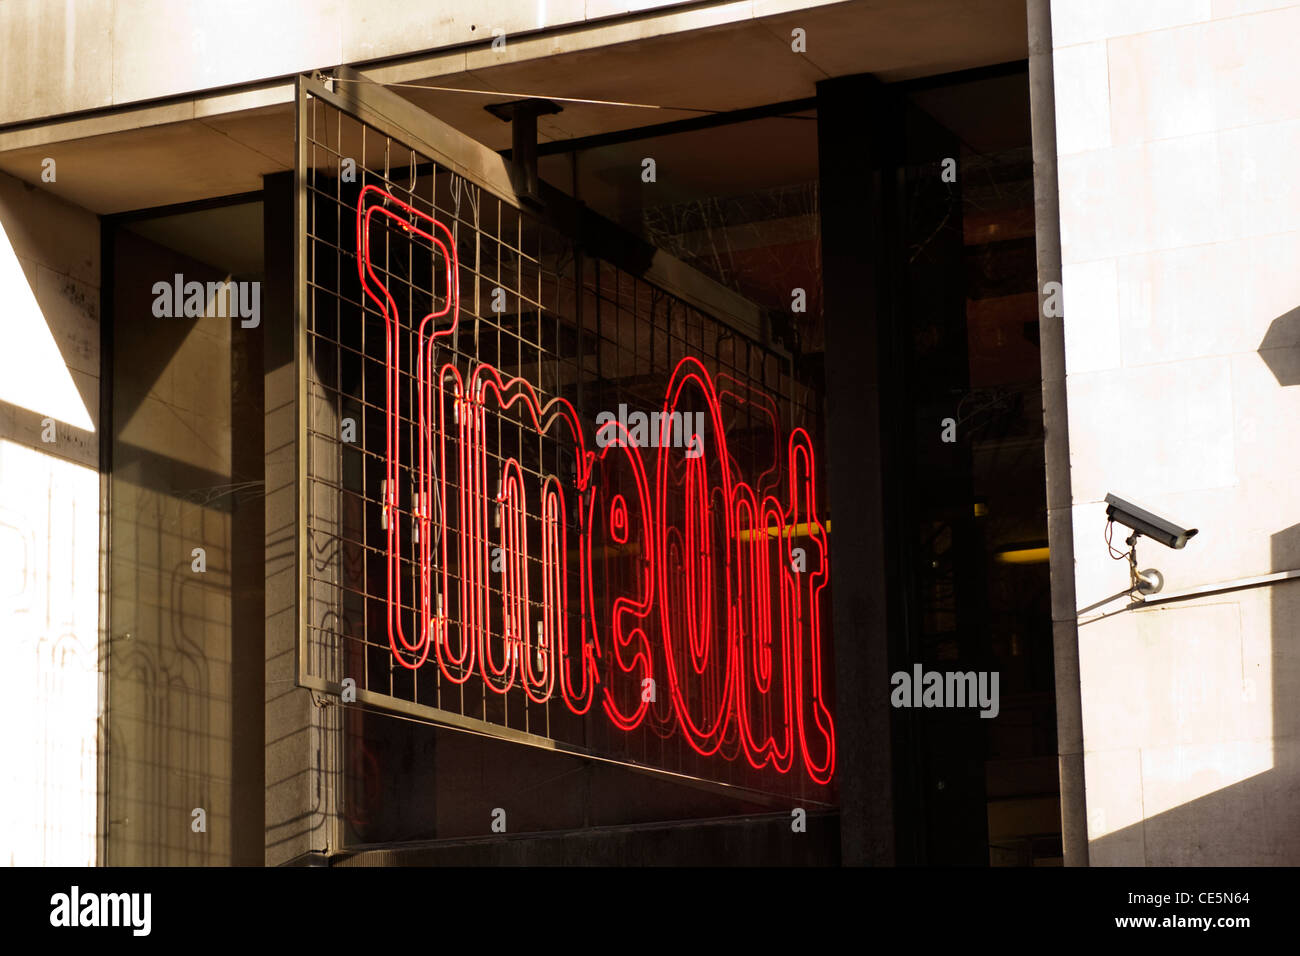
[1023, 556]
[802, 530]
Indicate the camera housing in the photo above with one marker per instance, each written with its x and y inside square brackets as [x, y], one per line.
[1147, 523]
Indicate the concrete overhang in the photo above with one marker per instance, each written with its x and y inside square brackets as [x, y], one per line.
[685, 61]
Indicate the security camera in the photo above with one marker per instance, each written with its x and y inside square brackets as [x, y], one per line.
[1145, 523]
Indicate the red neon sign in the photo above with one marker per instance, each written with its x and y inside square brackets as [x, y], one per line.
[716, 601]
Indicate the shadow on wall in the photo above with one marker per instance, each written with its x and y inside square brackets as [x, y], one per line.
[51, 329]
[1255, 821]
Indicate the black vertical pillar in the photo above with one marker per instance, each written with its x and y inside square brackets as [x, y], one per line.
[860, 141]
[939, 775]
[248, 598]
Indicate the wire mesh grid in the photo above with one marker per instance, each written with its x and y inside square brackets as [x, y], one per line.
[531, 305]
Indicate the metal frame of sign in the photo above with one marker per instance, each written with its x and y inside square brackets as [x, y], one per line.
[394, 116]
